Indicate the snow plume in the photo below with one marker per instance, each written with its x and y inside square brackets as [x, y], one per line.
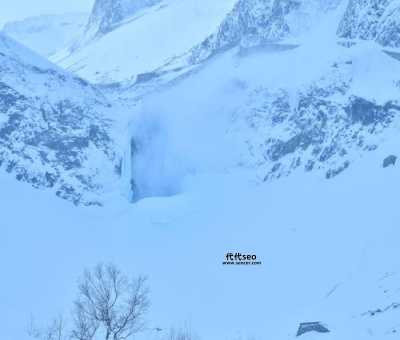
[182, 131]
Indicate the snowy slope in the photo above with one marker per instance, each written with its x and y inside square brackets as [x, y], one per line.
[53, 130]
[148, 40]
[47, 34]
[329, 252]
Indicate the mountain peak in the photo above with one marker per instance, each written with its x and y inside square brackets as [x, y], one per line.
[108, 14]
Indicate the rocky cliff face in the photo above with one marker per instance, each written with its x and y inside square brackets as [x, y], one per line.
[323, 127]
[389, 29]
[376, 20]
[254, 23]
[251, 22]
[52, 130]
[362, 19]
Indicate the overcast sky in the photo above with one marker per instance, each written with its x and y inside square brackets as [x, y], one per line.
[20, 9]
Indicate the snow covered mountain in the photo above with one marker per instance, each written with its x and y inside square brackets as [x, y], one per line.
[203, 29]
[53, 133]
[263, 108]
[322, 120]
[372, 20]
[263, 132]
[145, 41]
[281, 116]
[47, 34]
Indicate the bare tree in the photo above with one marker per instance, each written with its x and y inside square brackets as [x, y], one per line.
[56, 330]
[109, 305]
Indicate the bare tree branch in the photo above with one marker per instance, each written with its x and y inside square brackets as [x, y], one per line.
[110, 303]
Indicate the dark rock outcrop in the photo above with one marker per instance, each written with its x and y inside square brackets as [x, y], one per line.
[307, 327]
[389, 160]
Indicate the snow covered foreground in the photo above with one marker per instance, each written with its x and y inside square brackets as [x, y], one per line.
[328, 247]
